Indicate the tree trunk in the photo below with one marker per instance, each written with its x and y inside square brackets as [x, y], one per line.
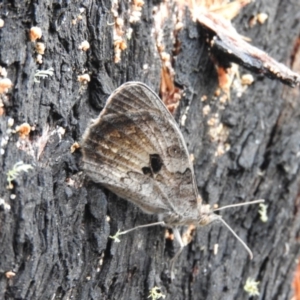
[55, 223]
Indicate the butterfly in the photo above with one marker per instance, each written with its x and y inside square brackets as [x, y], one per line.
[136, 150]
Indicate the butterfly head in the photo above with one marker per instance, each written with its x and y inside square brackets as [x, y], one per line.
[207, 215]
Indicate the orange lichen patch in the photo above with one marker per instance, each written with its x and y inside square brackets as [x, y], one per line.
[247, 79]
[218, 134]
[40, 48]
[74, 147]
[138, 3]
[39, 59]
[188, 235]
[23, 130]
[224, 98]
[119, 33]
[120, 44]
[70, 181]
[206, 110]
[3, 72]
[84, 78]
[241, 83]
[10, 122]
[119, 41]
[5, 84]
[79, 17]
[84, 46]
[217, 92]
[296, 283]
[119, 22]
[136, 11]
[168, 235]
[213, 121]
[35, 33]
[178, 25]
[204, 98]
[60, 131]
[222, 149]
[10, 274]
[260, 18]
[135, 16]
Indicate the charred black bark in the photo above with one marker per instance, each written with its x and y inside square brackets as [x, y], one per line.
[54, 235]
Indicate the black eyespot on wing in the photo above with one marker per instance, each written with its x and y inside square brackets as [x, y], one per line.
[147, 171]
[174, 151]
[155, 162]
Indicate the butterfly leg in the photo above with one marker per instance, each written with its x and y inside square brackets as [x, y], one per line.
[181, 244]
[116, 236]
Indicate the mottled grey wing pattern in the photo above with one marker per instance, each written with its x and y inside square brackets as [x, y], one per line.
[136, 150]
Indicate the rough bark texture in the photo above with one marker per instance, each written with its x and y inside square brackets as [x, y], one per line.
[55, 236]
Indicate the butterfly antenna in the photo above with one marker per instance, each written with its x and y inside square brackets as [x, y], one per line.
[238, 238]
[240, 204]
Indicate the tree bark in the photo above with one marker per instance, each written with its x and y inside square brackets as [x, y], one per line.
[55, 234]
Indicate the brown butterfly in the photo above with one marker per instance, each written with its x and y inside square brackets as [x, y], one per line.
[136, 150]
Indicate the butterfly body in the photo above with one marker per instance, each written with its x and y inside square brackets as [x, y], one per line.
[136, 150]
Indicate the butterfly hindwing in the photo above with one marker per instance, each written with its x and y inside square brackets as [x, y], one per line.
[136, 150]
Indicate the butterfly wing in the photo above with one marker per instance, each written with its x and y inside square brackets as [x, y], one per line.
[136, 150]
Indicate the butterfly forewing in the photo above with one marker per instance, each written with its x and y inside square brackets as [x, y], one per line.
[136, 150]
